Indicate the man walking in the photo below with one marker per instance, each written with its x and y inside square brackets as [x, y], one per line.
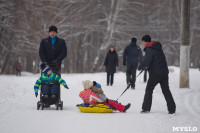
[131, 56]
[154, 61]
[53, 49]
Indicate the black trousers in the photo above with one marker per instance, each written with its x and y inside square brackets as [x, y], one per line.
[152, 82]
[131, 75]
[110, 78]
[145, 76]
[18, 73]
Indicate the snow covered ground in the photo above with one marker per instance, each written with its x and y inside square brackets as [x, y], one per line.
[18, 112]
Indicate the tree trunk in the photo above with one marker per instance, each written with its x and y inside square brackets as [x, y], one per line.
[185, 44]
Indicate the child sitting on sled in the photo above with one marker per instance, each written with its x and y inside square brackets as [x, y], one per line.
[49, 80]
[93, 94]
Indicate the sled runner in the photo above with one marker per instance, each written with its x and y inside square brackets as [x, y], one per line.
[99, 108]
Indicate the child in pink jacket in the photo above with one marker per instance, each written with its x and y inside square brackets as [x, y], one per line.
[93, 94]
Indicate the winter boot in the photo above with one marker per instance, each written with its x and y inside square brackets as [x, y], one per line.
[171, 113]
[145, 112]
[45, 96]
[133, 88]
[127, 107]
[115, 105]
[53, 96]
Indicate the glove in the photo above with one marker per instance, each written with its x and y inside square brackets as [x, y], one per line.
[124, 63]
[36, 94]
[141, 68]
[66, 86]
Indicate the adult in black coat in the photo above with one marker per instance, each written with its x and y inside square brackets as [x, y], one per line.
[111, 62]
[131, 56]
[154, 61]
[53, 49]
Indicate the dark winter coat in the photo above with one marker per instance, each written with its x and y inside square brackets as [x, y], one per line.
[111, 61]
[132, 54]
[154, 60]
[53, 52]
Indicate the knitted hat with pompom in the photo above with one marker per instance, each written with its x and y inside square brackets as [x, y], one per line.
[87, 84]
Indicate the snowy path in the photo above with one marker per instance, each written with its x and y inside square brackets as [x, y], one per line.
[18, 112]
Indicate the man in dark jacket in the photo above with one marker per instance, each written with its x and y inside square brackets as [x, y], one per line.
[111, 62]
[131, 56]
[53, 49]
[154, 61]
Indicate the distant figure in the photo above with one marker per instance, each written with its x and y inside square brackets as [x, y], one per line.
[111, 62]
[155, 62]
[131, 56]
[18, 69]
[53, 49]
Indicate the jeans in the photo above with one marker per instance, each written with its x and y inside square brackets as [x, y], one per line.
[50, 89]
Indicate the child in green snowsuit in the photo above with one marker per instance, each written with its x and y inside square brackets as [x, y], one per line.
[49, 80]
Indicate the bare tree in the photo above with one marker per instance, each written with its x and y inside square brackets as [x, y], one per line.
[89, 27]
[185, 44]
